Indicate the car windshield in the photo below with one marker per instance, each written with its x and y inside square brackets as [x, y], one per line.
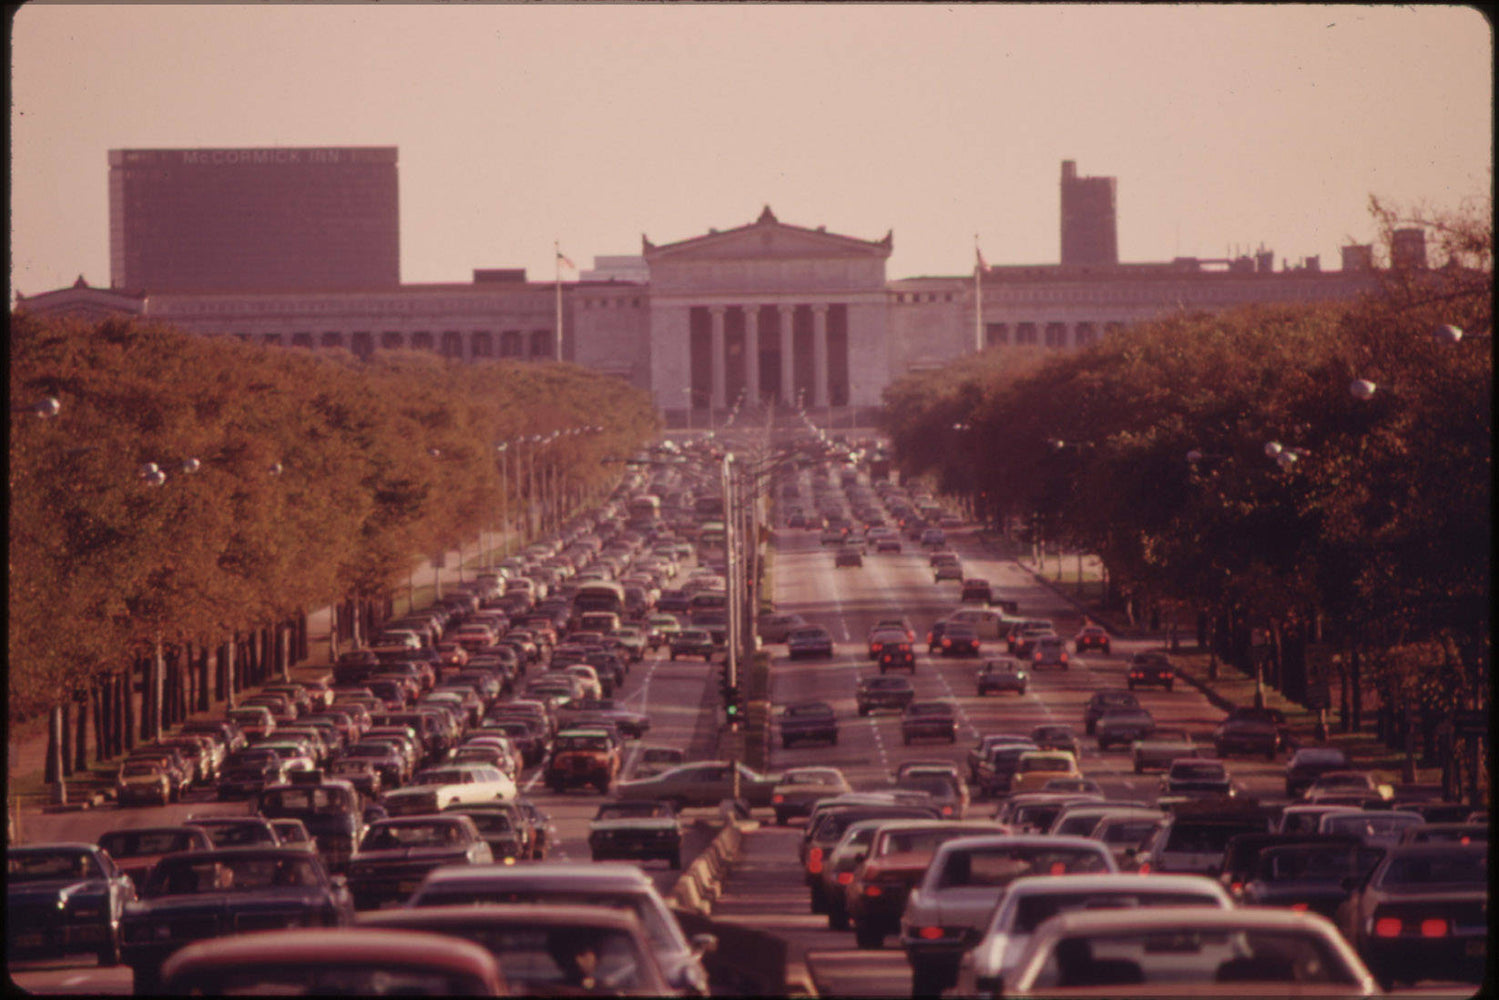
[582, 743]
[566, 960]
[812, 777]
[663, 936]
[1184, 954]
[1045, 764]
[139, 769]
[1438, 867]
[1206, 838]
[633, 810]
[326, 978]
[138, 843]
[996, 867]
[1198, 772]
[1311, 863]
[936, 785]
[36, 866]
[1034, 909]
[326, 800]
[1382, 824]
[922, 841]
[398, 836]
[191, 874]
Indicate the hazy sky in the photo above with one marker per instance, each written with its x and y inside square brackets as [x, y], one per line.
[1227, 127]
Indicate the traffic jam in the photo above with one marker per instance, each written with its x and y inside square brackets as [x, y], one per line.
[498, 794]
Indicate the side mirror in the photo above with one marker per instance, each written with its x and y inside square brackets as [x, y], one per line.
[704, 944]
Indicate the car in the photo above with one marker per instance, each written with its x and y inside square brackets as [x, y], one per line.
[1035, 768]
[846, 821]
[1194, 776]
[1033, 899]
[1127, 832]
[504, 826]
[933, 538]
[1091, 637]
[583, 756]
[838, 868]
[1156, 751]
[944, 786]
[236, 831]
[947, 571]
[809, 640]
[1033, 812]
[882, 636]
[1085, 786]
[62, 899]
[649, 760]
[897, 656]
[1188, 950]
[397, 853]
[535, 888]
[1196, 835]
[636, 829]
[330, 808]
[1022, 636]
[1101, 702]
[960, 639]
[977, 590]
[1446, 833]
[806, 721]
[1122, 725]
[435, 788]
[874, 693]
[1314, 874]
[998, 676]
[774, 627]
[1079, 817]
[135, 850]
[849, 554]
[347, 961]
[929, 720]
[894, 862]
[886, 541]
[965, 880]
[1150, 669]
[980, 751]
[1375, 827]
[692, 642]
[1053, 736]
[1422, 913]
[987, 622]
[196, 895]
[1362, 784]
[800, 787]
[144, 781]
[584, 711]
[1250, 731]
[702, 783]
[1049, 651]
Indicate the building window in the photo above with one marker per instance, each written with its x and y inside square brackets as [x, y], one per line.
[421, 340]
[996, 334]
[1056, 334]
[1084, 335]
[391, 340]
[332, 338]
[452, 344]
[363, 345]
[301, 340]
[1112, 327]
[481, 345]
[541, 343]
[510, 344]
[1025, 333]
[271, 339]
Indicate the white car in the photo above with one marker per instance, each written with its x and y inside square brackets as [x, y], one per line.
[1032, 900]
[1190, 951]
[436, 788]
[966, 879]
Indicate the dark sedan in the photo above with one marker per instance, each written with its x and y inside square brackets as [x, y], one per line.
[1309, 764]
[959, 639]
[883, 693]
[1001, 675]
[692, 642]
[1423, 913]
[64, 898]
[209, 894]
[1250, 731]
[636, 830]
[809, 721]
[1311, 875]
[929, 720]
[396, 854]
[1102, 702]
[809, 640]
[1122, 725]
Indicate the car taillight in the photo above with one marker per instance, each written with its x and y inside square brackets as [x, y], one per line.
[1145, 868]
[873, 890]
[1299, 907]
[1064, 657]
[814, 860]
[844, 878]
[1236, 887]
[946, 642]
[929, 933]
[904, 648]
[1387, 927]
[1059, 868]
[777, 799]
[947, 810]
[1434, 927]
[1037, 657]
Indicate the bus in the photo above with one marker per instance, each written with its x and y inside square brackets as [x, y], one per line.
[643, 510]
[599, 595]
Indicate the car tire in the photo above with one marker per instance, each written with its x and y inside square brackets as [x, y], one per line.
[109, 955]
[926, 981]
[817, 902]
[882, 670]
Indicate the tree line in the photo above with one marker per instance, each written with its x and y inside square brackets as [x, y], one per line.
[1309, 484]
[279, 481]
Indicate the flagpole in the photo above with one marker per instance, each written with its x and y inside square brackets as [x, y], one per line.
[978, 296]
[557, 281]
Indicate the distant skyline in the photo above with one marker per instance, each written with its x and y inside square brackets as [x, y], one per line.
[1228, 127]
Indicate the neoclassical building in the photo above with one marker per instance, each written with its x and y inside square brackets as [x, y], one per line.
[768, 311]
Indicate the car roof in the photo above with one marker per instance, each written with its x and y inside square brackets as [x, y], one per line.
[1126, 881]
[606, 875]
[350, 945]
[1133, 920]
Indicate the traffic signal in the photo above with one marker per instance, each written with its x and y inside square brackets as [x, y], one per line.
[731, 707]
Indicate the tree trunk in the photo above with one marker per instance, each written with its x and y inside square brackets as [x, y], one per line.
[1356, 682]
[102, 741]
[127, 710]
[53, 771]
[80, 733]
[64, 734]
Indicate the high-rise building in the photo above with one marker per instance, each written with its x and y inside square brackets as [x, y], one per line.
[287, 219]
[1089, 225]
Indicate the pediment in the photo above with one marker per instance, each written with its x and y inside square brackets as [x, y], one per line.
[767, 238]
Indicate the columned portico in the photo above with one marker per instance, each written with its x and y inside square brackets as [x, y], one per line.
[752, 353]
[716, 340]
[788, 390]
[819, 355]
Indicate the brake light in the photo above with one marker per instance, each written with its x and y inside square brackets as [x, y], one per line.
[873, 890]
[777, 799]
[844, 878]
[1064, 657]
[1236, 887]
[929, 933]
[814, 860]
[1387, 927]
[1299, 907]
[946, 642]
[1434, 927]
[1145, 868]
[1059, 868]
[904, 648]
[947, 810]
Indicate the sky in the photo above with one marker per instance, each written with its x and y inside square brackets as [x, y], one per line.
[1229, 128]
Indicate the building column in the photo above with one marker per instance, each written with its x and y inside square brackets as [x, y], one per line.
[788, 389]
[752, 355]
[819, 355]
[716, 357]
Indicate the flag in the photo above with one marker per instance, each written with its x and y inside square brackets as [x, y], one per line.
[565, 261]
[980, 254]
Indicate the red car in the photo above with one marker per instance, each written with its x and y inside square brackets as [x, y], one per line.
[1091, 637]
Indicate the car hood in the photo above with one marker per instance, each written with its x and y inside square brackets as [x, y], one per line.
[226, 902]
[52, 889]
[396, 855]
[642, 823]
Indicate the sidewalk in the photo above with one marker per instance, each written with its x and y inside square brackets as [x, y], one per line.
[26, 745]
[1232, 688]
